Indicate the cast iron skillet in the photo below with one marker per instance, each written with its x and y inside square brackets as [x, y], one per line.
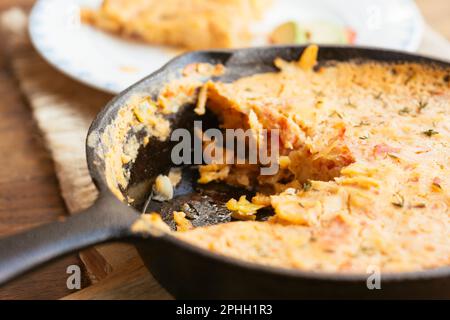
[184, 270]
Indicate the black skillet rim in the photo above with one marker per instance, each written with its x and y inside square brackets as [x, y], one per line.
[105, 116]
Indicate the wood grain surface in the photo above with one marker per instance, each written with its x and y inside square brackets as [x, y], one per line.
[29, 192]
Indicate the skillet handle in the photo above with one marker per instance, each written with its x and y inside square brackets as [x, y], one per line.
[105, 220]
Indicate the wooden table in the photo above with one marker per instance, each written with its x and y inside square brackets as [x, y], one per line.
[29, 193]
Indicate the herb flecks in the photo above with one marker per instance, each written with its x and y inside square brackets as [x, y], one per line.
[410, 77]
[364, 137]
[421, 105]
[378, 95]
[430, 132]
[337, 114]
[398, 200]
[307, 185]
[362, 123]
[351, 104]
[367, 250]
[319, 93]
[393, 156]
[404, 111]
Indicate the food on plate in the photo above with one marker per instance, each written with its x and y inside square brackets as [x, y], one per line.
[292, 32]
[202, 24]
[288, 33]
[191, 24]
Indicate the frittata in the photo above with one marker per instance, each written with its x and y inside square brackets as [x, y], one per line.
[190, 24]
[364, 173]
[364, 160]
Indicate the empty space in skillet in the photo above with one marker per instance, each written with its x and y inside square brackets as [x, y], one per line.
[203, 204]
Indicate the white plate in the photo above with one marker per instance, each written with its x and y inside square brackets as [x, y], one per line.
[111, 64]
